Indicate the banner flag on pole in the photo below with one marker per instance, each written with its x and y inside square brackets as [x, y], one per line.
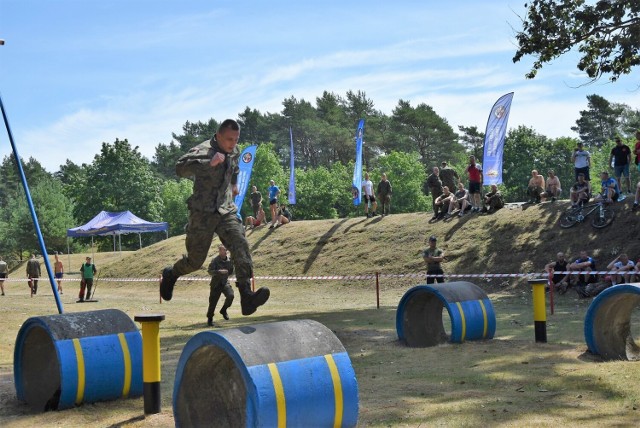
[292, 176]
[245, 165]
[357, 170]
[494, 140]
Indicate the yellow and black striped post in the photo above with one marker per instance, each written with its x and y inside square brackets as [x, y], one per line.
[539, 309]
[150, 361]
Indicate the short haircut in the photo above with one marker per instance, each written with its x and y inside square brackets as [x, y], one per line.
[581, 175]
[229, 124]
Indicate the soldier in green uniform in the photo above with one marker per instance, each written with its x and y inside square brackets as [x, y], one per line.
[220, 268]
[214, 168]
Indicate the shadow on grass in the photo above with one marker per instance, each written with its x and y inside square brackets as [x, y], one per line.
[324, 239]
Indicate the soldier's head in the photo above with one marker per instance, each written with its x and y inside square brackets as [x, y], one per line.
[494, 188]
[222, 250]
[228, 135]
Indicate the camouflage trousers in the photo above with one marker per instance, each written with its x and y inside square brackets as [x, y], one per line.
[200, 230]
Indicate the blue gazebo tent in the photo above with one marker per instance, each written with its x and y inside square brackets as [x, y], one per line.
[116, 223]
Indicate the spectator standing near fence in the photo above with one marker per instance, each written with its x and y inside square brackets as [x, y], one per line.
[87, 272]
[58, 269]
[384, 192]
[433, 256]
[4, 272]
[33, 273]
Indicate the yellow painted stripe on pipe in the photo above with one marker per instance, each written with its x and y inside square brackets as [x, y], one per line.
[81, 370]
[337, 390]
[127, 365]
[484, 319]
[464, 322]
[281, 402]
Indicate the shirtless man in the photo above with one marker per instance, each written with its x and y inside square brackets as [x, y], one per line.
[536, 187]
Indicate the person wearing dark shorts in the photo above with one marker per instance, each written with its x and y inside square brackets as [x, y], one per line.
[621, 157]
[581, 161]
[58, 269]
[475, 183]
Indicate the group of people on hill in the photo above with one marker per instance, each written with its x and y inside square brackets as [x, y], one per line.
[582, 276]
[280, 214]
[611, 188]
[449, 194]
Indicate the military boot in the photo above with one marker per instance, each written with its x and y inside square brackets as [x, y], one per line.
[167, 283]
[249, 300]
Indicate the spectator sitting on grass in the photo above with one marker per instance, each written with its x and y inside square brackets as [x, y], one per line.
[560, 280]
[553, 189]
[283, 216]
[610, 191]
[624, 269]
[493, 200]
[580, 191]
[260, 220]
[462, 200]
[535, 188]
[586, 265]
[443, 202]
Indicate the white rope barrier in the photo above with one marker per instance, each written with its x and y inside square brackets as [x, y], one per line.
[349, 277]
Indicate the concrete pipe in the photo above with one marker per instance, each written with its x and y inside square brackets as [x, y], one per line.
[289, 373]
[64, 360]
[419, 314]
[607, 324]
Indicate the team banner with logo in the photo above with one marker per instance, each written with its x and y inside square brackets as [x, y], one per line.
[357, 170]
[247, 157]
[292, 176]
[494, 140]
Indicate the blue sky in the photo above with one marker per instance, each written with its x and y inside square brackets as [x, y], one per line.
[77, 73]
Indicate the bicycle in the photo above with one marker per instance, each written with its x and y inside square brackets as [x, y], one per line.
[604, 216]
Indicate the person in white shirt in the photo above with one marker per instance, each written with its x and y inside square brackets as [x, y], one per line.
[581, 161]
[369, 197]
[623, 265]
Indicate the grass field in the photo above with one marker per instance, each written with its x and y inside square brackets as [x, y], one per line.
[507, 381]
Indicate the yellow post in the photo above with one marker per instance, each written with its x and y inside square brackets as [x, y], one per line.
[539, 309]
[151, 361]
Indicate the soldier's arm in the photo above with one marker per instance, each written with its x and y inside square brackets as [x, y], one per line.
[195, 162]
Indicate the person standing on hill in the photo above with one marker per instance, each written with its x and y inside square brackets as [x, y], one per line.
[87, 272]
[433, 256]
[369, 197]
[384, 192]
[436, 189]
[621, 157]
[581, 161]
[274, 192]
[256, 201]
[4, 272]
[33, 273]
[636, 150]
[448, 176]
[475, 184]
[220, 268]
[214, 167]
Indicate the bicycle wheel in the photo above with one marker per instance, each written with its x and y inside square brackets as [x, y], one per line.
[603, 218]
[569, 219]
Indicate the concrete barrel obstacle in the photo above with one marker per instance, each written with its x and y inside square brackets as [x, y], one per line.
[607, 323]
[419, 314]
[289, 373]
[61, 361]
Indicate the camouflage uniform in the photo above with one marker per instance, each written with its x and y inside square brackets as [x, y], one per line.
[212, 211]
[219, 285]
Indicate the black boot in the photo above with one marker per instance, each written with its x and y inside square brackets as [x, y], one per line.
[249, 300]
[167, 283]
